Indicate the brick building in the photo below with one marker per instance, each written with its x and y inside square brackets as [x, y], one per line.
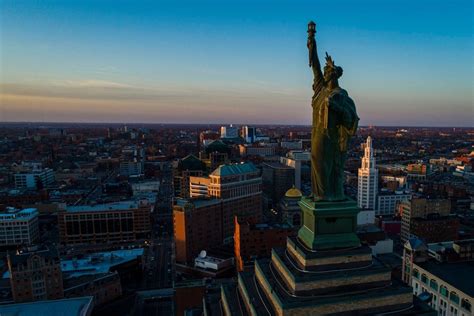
[35, 274]
[239, 186]
[421, 208]
[113, 222]
[435, 228]
[256, 240]
[197, 226]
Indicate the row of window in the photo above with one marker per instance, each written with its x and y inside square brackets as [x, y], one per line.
[443, 290]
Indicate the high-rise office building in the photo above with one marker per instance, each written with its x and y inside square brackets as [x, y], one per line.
[249, 134]
[277, 179]
[240, 188]
[367, 179]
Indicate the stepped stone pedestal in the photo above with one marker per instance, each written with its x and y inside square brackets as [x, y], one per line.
[323, 271]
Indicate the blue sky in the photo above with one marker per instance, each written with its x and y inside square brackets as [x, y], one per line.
[405, 62]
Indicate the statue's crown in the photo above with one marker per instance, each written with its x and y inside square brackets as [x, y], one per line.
[329, 61]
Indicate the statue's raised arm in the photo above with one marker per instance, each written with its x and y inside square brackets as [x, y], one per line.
[313, 58]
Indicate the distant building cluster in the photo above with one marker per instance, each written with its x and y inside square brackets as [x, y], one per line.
[190, 219]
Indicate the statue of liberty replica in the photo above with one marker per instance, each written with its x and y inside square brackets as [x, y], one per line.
[334, 122]
[329, 217]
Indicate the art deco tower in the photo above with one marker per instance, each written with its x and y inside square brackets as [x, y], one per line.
[367, 179]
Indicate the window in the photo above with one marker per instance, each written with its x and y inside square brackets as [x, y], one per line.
[424, 278]
[434, 284]
[444, 291]
[466, 304]
[454, 297]
[416, 274]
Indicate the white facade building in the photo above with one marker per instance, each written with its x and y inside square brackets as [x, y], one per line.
[30, 180]
[365, 217]
[229, 131]
[387, 201]
[295, 159]
[249, 133]
[367, 179]
[19, 227]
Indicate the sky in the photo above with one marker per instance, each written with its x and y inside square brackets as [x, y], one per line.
[405, 62]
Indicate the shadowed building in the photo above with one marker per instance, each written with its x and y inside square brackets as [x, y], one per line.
[105, 223]
[215, 154]
[35, 274]
[289, 209]
[417, 214]
[277, 179]
[255, 240]
[189, 166]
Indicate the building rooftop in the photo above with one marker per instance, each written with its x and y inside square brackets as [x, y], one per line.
[22, 256]
[116, 206]
[100, 262]
[11, 214]
[72, 306]
[197, 202]
[95, 263]
[455, 273]
[293, 193]
[191, 162]
[234, 169]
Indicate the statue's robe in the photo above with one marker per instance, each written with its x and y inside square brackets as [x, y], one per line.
[334, 122]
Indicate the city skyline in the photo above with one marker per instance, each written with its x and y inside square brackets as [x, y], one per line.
[405, 64]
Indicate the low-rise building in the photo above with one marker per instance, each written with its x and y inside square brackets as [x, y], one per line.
[36, 179]
[80, 306]
[256, 240]
[440, 274]
[35, 274]
[19, 227]
[387, 201]
[105, 223]
[420, 208]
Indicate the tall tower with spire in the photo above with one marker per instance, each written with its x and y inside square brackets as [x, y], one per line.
[367, 179]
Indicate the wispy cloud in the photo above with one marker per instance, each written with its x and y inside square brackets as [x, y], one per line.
[91, 83]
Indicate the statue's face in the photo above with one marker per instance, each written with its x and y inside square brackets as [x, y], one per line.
[332, 74]
[329, 74]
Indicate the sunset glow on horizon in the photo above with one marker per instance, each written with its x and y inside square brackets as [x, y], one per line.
[405, 63]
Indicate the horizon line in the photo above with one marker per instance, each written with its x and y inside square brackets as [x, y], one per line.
[217, 124]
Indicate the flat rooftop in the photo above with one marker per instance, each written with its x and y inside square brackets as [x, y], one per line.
[80, 306]
[454, 273]
[116, 206]
[198, 202]
[11, 214]
[95, 263]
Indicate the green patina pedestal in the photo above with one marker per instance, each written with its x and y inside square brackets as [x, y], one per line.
[328, 225]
